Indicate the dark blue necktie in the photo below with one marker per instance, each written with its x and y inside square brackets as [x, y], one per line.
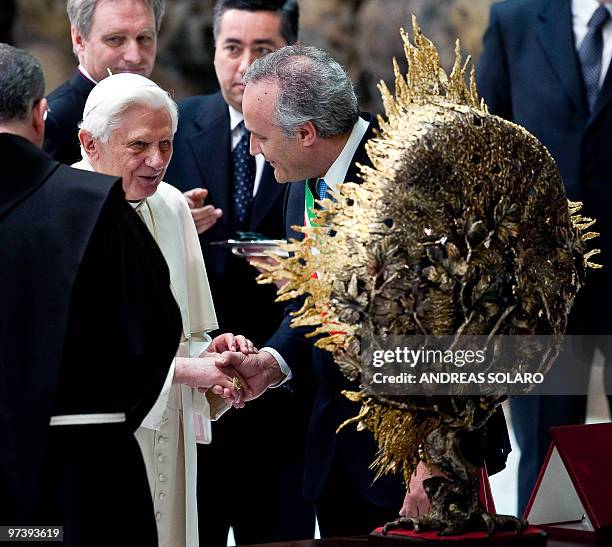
[244, 179]
[590, 53]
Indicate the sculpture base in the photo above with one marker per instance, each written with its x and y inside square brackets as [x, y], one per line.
[531, 537]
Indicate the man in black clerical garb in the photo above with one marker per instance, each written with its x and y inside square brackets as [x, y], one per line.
[106, 36]
[88, 329]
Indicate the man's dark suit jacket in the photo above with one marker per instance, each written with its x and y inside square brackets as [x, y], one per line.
[529, 73]
[89, 325]
[276, 422]
[66, 104]
[357, 450]
[202, 158]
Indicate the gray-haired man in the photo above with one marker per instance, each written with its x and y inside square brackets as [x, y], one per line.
[106, 34]
[301, 110]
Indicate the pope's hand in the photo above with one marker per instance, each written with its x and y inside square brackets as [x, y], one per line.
[201, 373]
[204, 216]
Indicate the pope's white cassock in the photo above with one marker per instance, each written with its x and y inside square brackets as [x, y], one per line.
[181, 416]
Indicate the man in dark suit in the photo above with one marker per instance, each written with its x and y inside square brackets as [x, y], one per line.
[88, 330]
[545, 67]
[211, 160]
[106, 35]
[318, 135]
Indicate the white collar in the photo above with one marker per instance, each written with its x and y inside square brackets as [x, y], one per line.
[136, 205]
[337, 172]
[236, 117]
[84, 164]
[86, 74]
[583, 10]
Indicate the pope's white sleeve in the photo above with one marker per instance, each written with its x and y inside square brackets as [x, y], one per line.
[154, 417]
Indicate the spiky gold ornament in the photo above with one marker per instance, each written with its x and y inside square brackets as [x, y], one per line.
[462, 226]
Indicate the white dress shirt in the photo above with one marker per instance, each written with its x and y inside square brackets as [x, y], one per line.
[582, 11]
[337, 172]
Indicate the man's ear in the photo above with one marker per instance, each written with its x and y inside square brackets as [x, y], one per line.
[38, 119]
[307, 134]
[89, 144]
[78, 42]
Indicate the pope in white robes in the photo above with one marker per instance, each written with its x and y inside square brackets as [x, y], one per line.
[127, 131]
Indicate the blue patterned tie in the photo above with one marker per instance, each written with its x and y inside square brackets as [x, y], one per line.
[590, 53]
[322, 189]
[244, 179]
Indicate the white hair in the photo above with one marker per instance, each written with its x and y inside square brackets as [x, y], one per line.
[105, 115]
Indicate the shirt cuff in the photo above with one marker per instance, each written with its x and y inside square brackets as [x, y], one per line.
[281, 363]
[154, 418]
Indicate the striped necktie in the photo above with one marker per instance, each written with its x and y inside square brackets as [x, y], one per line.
[590, 53]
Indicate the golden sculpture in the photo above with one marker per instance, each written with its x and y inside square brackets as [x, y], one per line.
[462, 226]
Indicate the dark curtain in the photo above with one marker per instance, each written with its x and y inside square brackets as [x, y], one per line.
[8, 11]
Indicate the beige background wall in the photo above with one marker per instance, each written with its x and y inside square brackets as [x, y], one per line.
[362, 34]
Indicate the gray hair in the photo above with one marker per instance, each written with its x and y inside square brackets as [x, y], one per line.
[287, 10]
[22, 83]
[313, 87]
[81, 12]
[101, 120]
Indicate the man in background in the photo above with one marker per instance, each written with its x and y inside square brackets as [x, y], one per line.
[88, 330]
[545, 67]
[211, 161]
[120, 36]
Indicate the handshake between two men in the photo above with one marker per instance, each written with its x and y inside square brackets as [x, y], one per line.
[232, 368]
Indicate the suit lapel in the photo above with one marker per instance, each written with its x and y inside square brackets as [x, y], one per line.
[210, 146]
[295, 209]
[82, 84]
[556, 36]
[266, 196]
